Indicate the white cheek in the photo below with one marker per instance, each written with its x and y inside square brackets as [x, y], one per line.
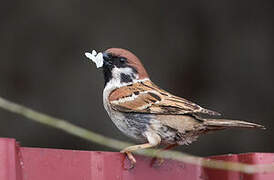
[116, 72]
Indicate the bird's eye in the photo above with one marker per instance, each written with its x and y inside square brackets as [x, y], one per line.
[122, 59]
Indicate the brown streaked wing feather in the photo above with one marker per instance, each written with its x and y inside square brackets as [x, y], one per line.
[148, 98]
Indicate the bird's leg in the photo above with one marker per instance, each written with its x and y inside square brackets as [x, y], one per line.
[160, 160]
[153, 140]
[137, 147]
[129, 149]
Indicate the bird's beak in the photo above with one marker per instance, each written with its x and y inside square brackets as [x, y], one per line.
[107, 59]
[106, 56]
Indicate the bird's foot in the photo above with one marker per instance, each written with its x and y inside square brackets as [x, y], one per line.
[132, 160]
[157, 162]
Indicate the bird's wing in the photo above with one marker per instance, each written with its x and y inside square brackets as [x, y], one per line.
[146, 97]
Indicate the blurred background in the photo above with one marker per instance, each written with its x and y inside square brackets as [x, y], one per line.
[217, 53]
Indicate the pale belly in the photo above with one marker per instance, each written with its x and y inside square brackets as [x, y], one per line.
[131, 125]
[135, 125]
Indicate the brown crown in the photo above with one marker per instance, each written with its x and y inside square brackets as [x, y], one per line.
[133, 60]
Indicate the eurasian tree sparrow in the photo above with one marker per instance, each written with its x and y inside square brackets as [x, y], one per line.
[147, 113]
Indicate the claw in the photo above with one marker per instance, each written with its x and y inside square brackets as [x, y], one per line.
[132, 160]
[129, 149]
[157, 162]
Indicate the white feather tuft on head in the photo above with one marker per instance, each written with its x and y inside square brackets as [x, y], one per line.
[96, 58]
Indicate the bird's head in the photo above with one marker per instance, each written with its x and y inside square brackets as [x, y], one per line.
[119, 66]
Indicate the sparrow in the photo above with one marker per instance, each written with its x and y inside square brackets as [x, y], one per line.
[147, 113]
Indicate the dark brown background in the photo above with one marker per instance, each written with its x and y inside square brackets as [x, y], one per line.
[217, 53]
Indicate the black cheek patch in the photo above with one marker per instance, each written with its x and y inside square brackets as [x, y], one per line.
[125, 78]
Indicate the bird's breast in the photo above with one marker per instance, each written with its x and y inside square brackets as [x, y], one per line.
[131, 124]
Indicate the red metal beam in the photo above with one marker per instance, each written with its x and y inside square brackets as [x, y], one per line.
[19, 163]
[10, 168]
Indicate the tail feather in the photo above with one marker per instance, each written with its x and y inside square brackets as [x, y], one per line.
[225, 123]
